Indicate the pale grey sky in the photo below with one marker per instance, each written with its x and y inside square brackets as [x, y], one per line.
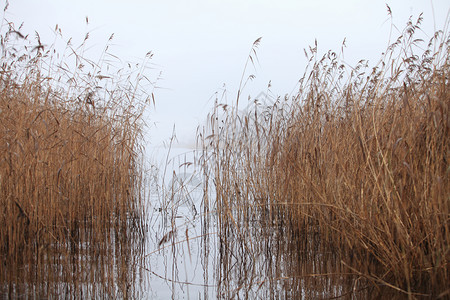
[201, 45]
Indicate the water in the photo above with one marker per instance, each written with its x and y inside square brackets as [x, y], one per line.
[180, 247]
[191, 257]
[184, 253]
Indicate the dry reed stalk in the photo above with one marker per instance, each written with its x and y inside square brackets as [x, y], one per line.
[358, 157]
[70, 170]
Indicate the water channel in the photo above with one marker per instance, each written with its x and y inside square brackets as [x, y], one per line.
[184, 252]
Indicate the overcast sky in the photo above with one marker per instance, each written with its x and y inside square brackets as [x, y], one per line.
[201, 45]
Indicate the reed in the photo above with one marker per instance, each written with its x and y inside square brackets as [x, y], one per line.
[357, 162]
[71, 176]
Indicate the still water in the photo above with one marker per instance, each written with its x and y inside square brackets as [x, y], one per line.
[180, 246]
[190, 255]
[183, 251]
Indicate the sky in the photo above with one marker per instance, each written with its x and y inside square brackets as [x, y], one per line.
[200, 47]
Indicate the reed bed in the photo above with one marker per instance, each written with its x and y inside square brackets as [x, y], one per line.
[356, 163]
[71, 181]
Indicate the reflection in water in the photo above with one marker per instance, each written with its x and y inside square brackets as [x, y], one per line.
[180, 248]
[90, 264]
[259, 260]
[249, 254]
[187, 250]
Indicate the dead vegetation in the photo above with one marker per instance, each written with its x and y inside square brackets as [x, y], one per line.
[71, 181]
[354, 167]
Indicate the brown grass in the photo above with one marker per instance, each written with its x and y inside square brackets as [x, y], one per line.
[70, 168]
[359, 157]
